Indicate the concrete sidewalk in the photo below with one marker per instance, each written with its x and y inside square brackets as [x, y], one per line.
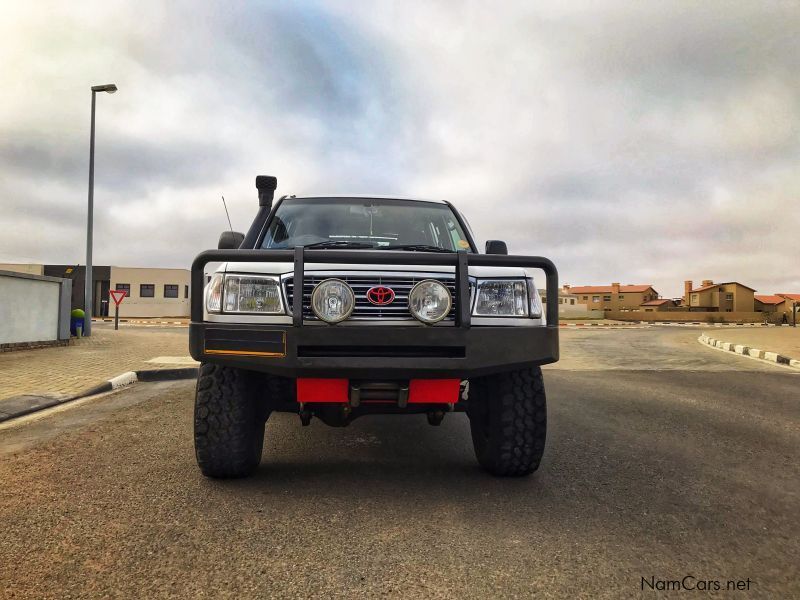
[67, 370]
[781, 340]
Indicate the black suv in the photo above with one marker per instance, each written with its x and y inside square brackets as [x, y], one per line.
[338, 307]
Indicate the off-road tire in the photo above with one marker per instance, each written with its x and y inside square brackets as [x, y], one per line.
[508, 420]
[229, 418]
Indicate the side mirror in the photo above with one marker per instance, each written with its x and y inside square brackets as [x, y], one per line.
[496, 247]
[230, 240]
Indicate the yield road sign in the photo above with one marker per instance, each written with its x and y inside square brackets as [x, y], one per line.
[117, 296]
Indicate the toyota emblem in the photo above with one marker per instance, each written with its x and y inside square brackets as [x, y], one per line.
[380, 296]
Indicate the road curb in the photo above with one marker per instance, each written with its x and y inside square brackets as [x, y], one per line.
[755, 353]
[20, 406]
[167, 374]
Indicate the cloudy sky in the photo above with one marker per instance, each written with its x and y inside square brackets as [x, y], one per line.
[630, 142]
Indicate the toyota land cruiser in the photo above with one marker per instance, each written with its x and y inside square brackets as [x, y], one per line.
[339, 307]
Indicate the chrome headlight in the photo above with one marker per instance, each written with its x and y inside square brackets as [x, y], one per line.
[254, 294]
[501, 298]
[536, 300]
[259, 294]
[214, 294]
[332, 300]
[429, 301]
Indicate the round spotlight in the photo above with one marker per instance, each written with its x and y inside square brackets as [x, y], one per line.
[429, 301]
[332, 300]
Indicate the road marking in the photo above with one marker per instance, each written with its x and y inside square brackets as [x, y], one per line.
[173, 360]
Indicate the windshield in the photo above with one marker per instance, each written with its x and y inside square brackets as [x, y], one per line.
[367, 223]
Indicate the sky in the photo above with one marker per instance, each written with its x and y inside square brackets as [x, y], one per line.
[631, 142]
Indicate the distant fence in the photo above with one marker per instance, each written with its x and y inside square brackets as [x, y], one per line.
[34, 309]
[686, 316]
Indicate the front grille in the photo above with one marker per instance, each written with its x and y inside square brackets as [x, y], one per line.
[364, 309]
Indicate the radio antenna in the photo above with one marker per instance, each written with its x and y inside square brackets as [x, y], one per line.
[226, 213]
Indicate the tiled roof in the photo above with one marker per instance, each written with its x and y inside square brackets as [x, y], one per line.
[769, 299]
[658, 302]
[713, 285]
[606, 289]
[795, 297]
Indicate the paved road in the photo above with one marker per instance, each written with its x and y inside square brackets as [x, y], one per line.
[689, 470]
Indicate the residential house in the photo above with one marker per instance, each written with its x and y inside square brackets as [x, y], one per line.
[790, 298]
[764, 303]
[791, 303]
[779, 306]
[661, 304]
[614, 296]
[729, 296]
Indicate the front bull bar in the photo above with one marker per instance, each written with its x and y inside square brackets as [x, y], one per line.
[299, 256]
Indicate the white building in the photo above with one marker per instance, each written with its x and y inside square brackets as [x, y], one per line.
[151, 292]
[568, 305]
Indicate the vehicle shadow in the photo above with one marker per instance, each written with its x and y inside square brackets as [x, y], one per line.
[372, 451]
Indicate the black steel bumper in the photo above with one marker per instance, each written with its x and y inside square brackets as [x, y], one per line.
[372, 351]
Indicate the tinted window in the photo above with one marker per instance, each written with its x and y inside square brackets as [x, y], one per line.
[147, 290]
[380, 222]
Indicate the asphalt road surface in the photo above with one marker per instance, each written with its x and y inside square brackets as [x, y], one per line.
[665, 459]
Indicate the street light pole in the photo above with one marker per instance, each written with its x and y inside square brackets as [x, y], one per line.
[88, 289]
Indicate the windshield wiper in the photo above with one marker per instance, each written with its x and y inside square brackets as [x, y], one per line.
[417, 248]
[343, 244]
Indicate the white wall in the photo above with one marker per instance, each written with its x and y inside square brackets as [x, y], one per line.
[29, 309]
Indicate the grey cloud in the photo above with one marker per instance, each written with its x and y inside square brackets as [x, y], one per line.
[135, 164]
[298, 59]
[20, 152]
[669, 47]
[644, 142]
